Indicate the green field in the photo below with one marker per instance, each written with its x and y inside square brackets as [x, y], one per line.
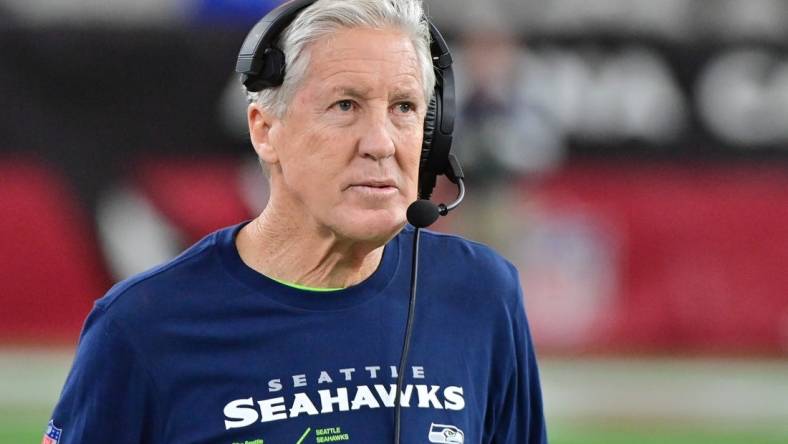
[562, 432]
[27, 426]
[587, 401]
[22, 426]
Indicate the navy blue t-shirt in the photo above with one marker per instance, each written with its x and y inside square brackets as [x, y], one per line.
[204, 349]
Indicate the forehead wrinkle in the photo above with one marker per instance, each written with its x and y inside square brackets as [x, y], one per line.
[336, 57]
[366, 67]
[335, 46]
[332, 49]
[361, 84]
[361, 63]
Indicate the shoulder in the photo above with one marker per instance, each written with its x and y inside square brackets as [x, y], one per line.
[151, 291]
[466, 249]
[458, 251]
[466, 264]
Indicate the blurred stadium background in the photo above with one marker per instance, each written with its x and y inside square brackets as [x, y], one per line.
[631, 156]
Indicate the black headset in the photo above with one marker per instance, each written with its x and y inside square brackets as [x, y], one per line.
[262, 65]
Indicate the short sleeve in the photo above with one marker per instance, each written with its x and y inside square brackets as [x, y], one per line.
[521, 418]
[108, 395]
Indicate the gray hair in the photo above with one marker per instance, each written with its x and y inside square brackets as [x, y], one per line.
[325, 17]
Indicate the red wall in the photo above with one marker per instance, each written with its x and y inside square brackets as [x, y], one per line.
[677, 258]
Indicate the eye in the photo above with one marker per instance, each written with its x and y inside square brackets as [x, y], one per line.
[344, 105]
[405, 107]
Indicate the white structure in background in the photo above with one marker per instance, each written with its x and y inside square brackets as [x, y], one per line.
[132, 234]
[743, 97]
[741, 19]
[630, 94]
[135, 236]
[670, 20]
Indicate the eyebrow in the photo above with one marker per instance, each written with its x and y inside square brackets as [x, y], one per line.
[353, 92]
[403, 94]
[362, 93]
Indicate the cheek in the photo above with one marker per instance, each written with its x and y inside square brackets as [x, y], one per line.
[306, 147]
[321, 159]
[411, 152]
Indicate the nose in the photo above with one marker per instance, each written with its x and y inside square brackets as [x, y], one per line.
[377, 140]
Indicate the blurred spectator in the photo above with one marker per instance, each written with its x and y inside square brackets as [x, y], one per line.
[500, 135]
[500, 132]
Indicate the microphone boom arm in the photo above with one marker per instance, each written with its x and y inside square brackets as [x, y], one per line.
[444, 209]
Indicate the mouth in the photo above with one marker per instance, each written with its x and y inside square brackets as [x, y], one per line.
[374, 183]
[376, 188]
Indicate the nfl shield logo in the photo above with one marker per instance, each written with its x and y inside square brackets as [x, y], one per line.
[52, 435]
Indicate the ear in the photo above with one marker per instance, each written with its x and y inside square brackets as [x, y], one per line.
[260, 123]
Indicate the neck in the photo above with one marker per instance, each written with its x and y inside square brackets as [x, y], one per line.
[300, 253]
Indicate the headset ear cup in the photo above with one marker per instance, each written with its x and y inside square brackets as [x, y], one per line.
[430, 122]
[427, 177]
[272, 71]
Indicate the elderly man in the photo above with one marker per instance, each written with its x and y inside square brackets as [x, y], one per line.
[289, 328]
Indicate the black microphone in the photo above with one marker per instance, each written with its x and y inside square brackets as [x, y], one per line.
[422, 213]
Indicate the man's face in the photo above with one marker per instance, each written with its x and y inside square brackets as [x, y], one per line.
[345, 156]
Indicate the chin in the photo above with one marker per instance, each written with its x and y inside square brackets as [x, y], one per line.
[372, 225]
